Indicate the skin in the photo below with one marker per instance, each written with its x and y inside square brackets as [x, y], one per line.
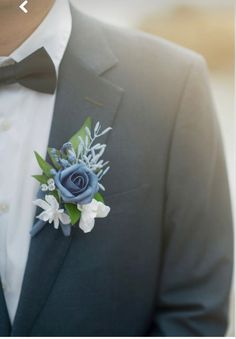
[16, 26]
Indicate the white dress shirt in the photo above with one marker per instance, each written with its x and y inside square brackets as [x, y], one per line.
[25, 122]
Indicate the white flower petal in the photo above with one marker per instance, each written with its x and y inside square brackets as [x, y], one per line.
[52, 201]
[44, 188]
[51, 181]
[91, 206]
[90, 209]
[86, 224]
[42, 204]
[56, 223]
[103, 210]
[51, 219]
[44, 216]
[51, 187]
[89, 212]
[64, 218]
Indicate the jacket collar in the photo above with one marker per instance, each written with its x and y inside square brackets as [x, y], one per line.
[90, 44]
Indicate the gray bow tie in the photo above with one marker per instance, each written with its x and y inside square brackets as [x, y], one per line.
[37, 72]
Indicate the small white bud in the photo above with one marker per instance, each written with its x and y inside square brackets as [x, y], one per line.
[44, 188]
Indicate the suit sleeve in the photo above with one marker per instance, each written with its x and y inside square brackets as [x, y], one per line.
[197, 257]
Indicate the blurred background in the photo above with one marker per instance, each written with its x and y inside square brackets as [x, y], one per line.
[206, 26]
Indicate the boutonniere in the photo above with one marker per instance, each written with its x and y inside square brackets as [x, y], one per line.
[72, 182]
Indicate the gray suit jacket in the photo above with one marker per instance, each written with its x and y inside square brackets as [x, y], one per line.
[161, 263]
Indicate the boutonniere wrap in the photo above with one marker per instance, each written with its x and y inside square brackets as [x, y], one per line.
[72, 182]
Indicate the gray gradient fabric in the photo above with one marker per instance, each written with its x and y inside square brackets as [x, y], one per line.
[161, 263]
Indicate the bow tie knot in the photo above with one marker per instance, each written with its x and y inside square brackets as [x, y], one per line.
[8, 74]
[36, 72]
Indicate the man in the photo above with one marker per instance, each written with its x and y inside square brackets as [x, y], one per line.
[161, 263]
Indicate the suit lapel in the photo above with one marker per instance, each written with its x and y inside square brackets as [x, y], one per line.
[81, 92]
[5, 325]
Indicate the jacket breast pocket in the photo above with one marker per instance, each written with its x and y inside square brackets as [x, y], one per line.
[129, 202]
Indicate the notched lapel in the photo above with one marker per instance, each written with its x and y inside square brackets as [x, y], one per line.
[82, 91]
[82, 94]
[80, 79]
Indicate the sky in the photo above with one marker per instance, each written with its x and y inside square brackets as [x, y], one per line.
[129, 12]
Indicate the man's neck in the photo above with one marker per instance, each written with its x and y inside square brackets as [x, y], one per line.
[16, 26]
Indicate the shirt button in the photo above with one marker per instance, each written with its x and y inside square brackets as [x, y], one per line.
[4, 208]
[5, 125]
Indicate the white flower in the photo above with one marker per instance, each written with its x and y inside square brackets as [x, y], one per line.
[52, 213]
[51, 181]
[44, 188]
[89, 212]
[49, 187]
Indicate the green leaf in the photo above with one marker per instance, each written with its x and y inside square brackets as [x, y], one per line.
[73, 212]
[45, 167]
[81, 133]
[99, 197]
[55, 164]
[41, 178]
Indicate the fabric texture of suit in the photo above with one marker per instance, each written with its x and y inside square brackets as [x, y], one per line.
[161, 263]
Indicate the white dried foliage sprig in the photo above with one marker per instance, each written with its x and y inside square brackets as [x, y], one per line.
[90, 153]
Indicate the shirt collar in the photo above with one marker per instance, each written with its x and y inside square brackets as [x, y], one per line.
[53, 34]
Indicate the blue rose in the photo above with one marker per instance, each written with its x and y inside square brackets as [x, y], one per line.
[77, 184]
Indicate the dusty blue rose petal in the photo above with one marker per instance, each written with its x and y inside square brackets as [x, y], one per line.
[62, 189]
[77, 184]
[81, 180]
[70, 170]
